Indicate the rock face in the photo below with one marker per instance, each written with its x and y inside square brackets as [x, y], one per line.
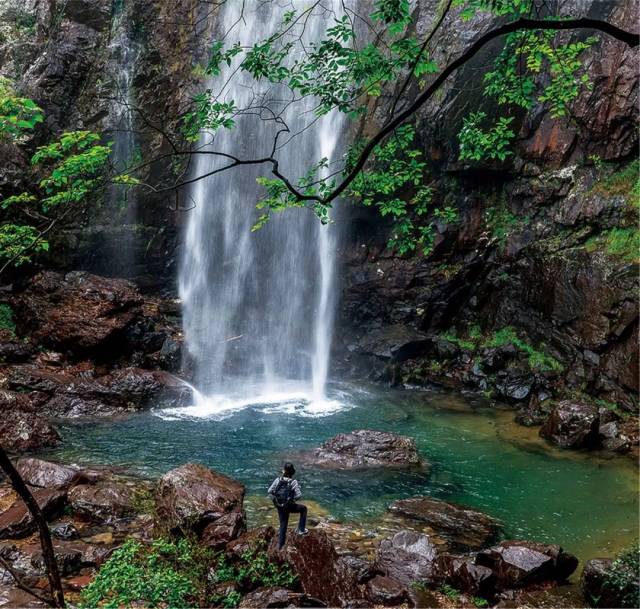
[365, 448]
[37, 472]
[572, 425]
[517, 564]
[464, 527]
[321, 572]
[23, 431]
[78, 311]
[407, 557]
[195, 498]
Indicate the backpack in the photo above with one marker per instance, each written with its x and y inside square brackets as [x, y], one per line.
[283, 495]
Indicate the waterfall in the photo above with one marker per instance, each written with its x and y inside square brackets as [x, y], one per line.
[258, 307]
[123, 55]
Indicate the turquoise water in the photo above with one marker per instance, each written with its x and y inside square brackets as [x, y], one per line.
[479, 457]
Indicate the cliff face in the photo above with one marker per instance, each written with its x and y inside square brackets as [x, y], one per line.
[542, 252]
[543, 249]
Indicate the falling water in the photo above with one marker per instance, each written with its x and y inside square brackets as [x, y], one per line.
[123, 55]
[259, 306]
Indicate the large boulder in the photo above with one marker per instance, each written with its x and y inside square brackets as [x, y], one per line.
[193, 497]
[407, 557]
[321, 572]
[77, 312]
[603, 589]
[463, 527]
[17, 521]
[37, 472]
[572, 425]
[365, 448]
[105, 501]
[517, 564]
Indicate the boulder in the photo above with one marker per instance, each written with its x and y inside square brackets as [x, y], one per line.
[612, 436]
[365, 448]
[24, 431]
[17, 522]
[321, 572]
[572, 425]
[37, 472]
[278, 597]
[77, 312]
[218, 534]
[517, 564]
[103, 502]
[250, 541]
[385, 591]
[65, 530]
[192, 496]
[599, 590]
[407, 557]
[12, 349]
[463, 527]
[463, 574]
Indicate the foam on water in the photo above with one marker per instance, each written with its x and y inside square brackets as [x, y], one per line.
[289, 398]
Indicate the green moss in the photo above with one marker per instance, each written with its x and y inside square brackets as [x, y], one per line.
[624, 182]
[6, 318]
[502, 223]
[467, 345]
[622, 243]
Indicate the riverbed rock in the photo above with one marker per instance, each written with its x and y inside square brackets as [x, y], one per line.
[321, 572]
[17, 522]
[385, 591]
[216, 535]
[465, 575]
[77, 312]
[13, 349]
[572, 425]
[365, 448]
[37, 472]
[463, 527]
[192, 496]
[517, 564]
[600, 592]
[278, 597]
[105, 501]
[250, 541]
[407, 557]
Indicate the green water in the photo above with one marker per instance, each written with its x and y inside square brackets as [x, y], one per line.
[479, 457]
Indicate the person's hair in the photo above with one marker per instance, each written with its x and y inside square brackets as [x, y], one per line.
[288, 470]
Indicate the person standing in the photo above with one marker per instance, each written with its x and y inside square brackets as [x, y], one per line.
[284, 492]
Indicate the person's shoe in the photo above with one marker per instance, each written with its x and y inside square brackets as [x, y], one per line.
[305, 532]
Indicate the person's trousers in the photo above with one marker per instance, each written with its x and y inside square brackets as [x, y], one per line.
[283, 516]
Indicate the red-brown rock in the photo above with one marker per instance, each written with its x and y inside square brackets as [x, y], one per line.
[17, 522]
[385, 591]
[103, 502]
[192, 496]
[37, 472]
[407, 557]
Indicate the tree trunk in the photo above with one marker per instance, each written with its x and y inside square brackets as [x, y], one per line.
[45, 536]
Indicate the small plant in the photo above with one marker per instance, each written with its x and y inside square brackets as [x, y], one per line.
[477, 144]
[478, 601]
[450, 592]
[537, 359]
[255, 569]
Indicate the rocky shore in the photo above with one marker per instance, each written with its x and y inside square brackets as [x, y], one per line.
[448, 556]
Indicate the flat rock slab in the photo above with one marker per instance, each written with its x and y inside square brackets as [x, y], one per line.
[365, 448]
[17, 522]
[37, 472]
[463, 527]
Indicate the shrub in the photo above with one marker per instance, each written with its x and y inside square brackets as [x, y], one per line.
[6, 318]
[167, 573]
[623, 577]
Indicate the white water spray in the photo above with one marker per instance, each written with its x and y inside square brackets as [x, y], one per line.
[258, 307]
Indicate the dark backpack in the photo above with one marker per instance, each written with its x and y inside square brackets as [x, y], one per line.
[283, 495]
